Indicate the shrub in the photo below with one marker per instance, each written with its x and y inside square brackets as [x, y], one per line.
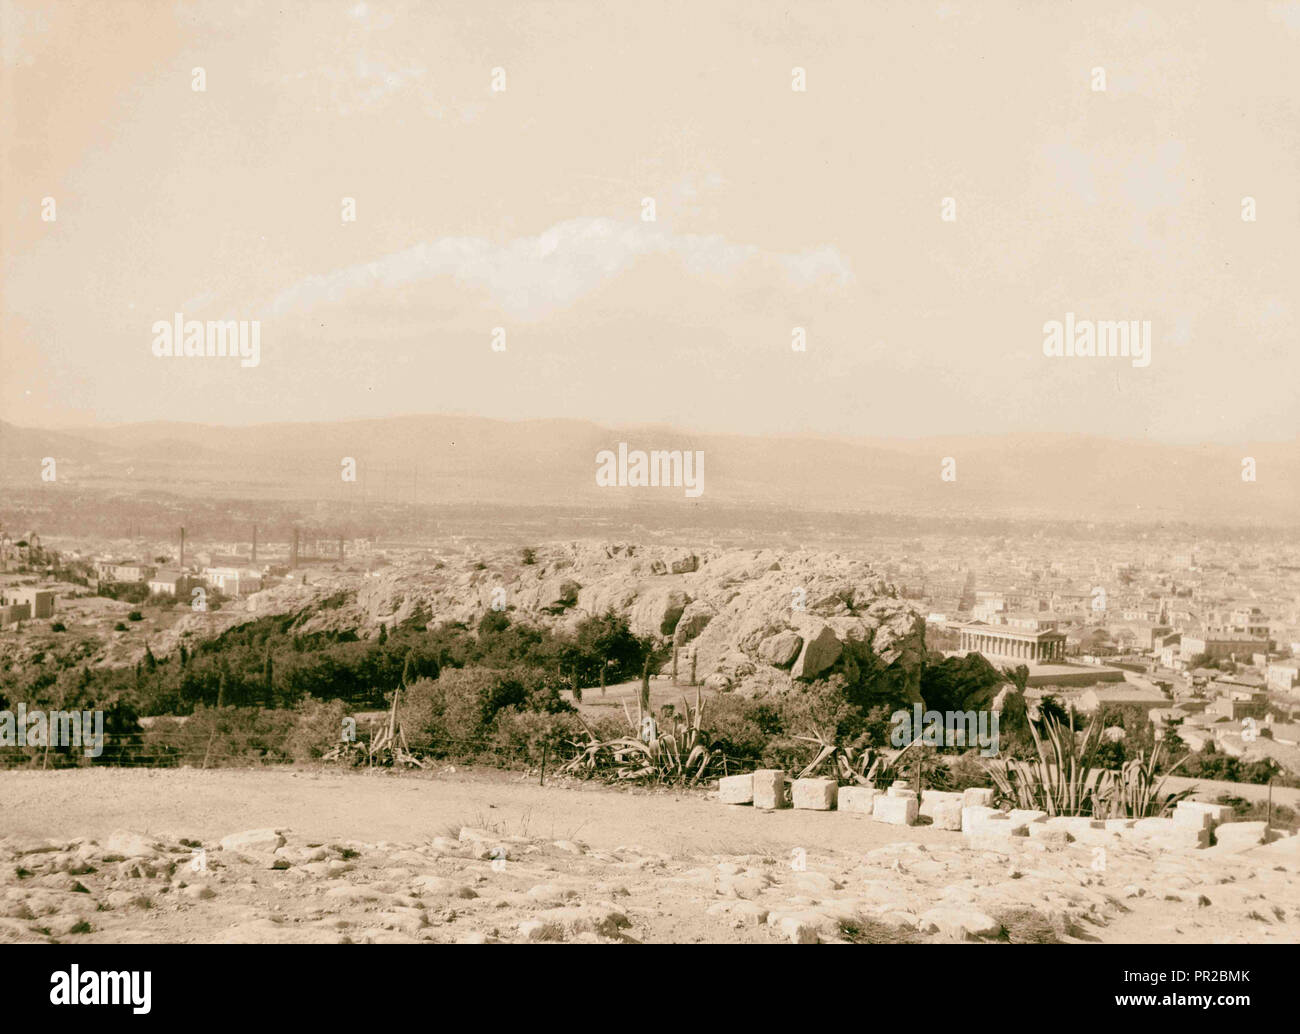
[216, 737]
[527, 735]
[58, 626]
[317, 728]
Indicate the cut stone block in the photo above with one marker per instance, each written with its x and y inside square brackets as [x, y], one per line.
[1216, 813]
[1075, 824]
[930, 799]
[1194, 817]
[1118, 825]
[814, 794]
[1243, 834]
[1046, 834]
[902, 791]
[769, 788]
[946, 814]
[976, 815]
[857, 798]
[1020, 818]
[977, 797]
[736, 789]
[1164, 833]
[897, 811]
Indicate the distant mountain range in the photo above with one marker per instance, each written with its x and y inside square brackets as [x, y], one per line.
[448, 459]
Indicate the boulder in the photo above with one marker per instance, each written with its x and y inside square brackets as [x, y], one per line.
[130, 845]
[781, 649]
[818, 654]
[256, 842]
[685, 564]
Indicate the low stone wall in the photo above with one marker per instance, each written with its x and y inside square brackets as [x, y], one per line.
[1193, 825]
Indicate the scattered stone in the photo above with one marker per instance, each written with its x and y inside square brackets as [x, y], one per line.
[125, 844]
[254, 842]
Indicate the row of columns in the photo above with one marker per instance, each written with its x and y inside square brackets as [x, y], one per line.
[1007, 646]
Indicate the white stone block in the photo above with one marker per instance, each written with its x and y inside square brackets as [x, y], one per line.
[1243, 834]
[977, 797]
[736, 789]
[769, 788]
[897, 811]
[857, 798]
[814, 794]
[1218, 813]
[978, 814]
[930, 799]
[1076, 824]
[946, 814]
[1021, 818]
[1194, 817]
[1164, 833]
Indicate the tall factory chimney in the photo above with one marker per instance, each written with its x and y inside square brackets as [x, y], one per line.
[181, 563]
[293, 550]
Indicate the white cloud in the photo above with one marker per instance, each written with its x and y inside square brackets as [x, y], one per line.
[530, 277]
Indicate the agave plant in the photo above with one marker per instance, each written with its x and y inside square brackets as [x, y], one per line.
[866, 766]
[683, 754]
[1134, 793]
[1063, 779]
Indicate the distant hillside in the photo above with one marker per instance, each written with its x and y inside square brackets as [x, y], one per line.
[448, 459]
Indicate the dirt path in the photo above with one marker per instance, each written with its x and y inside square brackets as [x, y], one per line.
[355, 806]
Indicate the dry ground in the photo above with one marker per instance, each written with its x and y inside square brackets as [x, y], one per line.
[473, 855]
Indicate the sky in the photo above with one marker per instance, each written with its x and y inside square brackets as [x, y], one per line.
[774, 208]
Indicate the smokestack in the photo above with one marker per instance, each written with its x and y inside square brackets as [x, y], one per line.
[254, 560]
[293, 550]
[181, 562]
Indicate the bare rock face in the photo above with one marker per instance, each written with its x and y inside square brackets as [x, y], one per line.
[694, 618]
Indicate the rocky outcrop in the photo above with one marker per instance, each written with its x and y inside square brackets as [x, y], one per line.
[760, 620]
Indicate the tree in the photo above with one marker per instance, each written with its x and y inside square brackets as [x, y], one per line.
[607, 638]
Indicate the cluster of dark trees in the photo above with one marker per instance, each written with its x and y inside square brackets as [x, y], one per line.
[271, 663]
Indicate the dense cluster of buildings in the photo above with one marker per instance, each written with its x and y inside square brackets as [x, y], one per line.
[1204, 637]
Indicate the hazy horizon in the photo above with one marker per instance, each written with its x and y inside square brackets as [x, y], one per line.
[775, 208]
